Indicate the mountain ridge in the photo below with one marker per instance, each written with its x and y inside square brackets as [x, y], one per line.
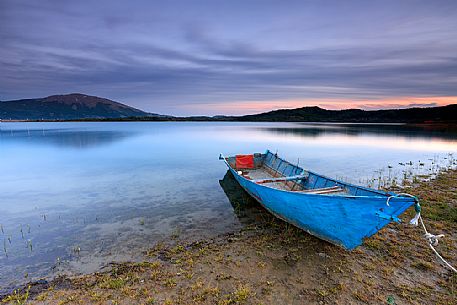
[446, 113]
[67, 107]
[77, 106]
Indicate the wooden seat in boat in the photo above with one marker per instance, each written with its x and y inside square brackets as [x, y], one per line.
[278, 179]
[324, 190]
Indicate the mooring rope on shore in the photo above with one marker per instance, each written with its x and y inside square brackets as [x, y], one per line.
[431, 238]
[433, 241]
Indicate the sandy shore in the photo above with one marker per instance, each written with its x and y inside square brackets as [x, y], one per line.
[271, 262]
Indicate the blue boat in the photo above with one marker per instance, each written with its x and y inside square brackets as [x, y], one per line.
[338, 212]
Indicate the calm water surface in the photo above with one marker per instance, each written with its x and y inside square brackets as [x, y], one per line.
[75, 196]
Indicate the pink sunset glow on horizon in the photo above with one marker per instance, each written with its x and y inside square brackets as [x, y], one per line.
[253, 107]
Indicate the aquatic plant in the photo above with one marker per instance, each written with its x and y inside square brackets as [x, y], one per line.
[170, 282]
[17, 297]
[409, 172]
[176, 232]
[116, 283]
[4, 248]
[77, 250]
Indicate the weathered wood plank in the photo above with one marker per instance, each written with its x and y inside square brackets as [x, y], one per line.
[269, 180]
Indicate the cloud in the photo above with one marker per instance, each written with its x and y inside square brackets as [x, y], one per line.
[177, 58]
[422, 105]
[399, 106]
[252, 107]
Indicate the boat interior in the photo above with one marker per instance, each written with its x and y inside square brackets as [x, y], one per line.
[270, 170]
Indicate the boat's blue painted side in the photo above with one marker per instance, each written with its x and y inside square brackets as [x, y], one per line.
[344, 220]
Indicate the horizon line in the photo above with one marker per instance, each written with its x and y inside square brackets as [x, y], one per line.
[271, 106]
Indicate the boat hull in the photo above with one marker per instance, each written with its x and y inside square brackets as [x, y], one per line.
[341, 220]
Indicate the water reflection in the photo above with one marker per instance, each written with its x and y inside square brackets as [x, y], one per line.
[448, 132]
[64, 137]
[133, 183]
[244, 206]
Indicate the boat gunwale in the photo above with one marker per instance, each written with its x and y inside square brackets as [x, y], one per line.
[316, 195]
[382, 194]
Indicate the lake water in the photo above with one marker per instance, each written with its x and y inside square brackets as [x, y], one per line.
[75, 196]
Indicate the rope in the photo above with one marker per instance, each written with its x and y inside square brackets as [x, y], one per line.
[433, 241]
[400, 195]
[431, 238]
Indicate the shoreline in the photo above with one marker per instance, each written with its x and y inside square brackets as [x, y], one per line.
[210, 119]
[272, 262]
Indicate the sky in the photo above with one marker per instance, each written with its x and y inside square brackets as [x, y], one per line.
[232, 57]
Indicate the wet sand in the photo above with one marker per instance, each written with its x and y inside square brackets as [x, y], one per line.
[271, 262]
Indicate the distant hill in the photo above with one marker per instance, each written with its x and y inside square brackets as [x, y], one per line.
[444, 114]
[316, 114]
[89, 108]
[67, 107]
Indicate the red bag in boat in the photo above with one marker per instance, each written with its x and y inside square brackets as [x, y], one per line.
[244, 161]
